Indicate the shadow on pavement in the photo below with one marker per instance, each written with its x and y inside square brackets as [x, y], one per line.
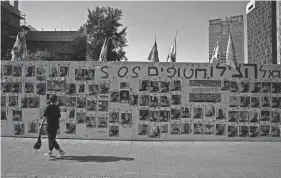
[96, 158]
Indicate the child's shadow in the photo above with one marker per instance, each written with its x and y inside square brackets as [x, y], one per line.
[96, 158]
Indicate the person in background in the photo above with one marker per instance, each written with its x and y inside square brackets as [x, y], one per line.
[52, 115]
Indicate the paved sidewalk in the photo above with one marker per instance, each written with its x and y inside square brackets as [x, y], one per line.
[135, 159]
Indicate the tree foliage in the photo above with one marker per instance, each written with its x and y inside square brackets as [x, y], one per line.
[104, 22]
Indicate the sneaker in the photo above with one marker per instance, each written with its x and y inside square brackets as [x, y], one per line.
[61, 152]
[48, 155]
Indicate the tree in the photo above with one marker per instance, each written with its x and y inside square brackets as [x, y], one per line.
[104, 22]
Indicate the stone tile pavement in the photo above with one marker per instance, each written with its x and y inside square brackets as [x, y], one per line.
[136, 159]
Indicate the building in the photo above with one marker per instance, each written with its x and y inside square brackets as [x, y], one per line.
[219, 32]
[66, 44]
[263, 29]
[11, 19]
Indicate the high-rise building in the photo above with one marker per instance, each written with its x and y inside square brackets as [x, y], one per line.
[219, 32]
[264, 35]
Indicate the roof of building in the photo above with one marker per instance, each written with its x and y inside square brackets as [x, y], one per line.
[63, 36]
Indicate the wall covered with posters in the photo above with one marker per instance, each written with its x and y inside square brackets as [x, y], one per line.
[144, 101]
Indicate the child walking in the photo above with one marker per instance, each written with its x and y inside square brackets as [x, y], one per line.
[52, 115]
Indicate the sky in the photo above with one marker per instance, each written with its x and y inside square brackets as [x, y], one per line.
[144, 20]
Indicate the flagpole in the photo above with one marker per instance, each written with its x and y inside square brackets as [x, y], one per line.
[176, 35]
[155, 37]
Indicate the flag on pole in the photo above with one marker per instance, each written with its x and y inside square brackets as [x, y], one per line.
[215, 55]
[104, 50]
[173, 53]
[153, 56]
[19, 50]
[230, 53]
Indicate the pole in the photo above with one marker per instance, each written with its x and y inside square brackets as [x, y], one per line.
[176, 35]
[155, 37]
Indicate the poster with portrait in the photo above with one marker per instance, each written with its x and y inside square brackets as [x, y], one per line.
[104, 88]
[198, 111]
[61, 100]
[102, 124]
[114, 116]
[71, 113]
[53, 71]
[144, 100]
[232, 130]
[17, 70]
[154, 130]
[29, 86]
[70, 128]
[265, 129]
[266, 86]
[234, 101]
[234, 86]
[276, 87]
[176, 86]
[186, 112]
[71, 101]
[225, 85]
[164, 128]
[210, 111]
[175, 128]
[154, 101]
[144, 114]
[254, 116]
[220, 129]
[19, 128]
[165, 86]
[103, 104]
[124, 85]
[70, 88]
[198, 128]
[81, 115]
[154, 115]
[165, 100]
[40, 88]
[124, 97]
[144, 85]
[41, 72]
[7, 70]
[165, 115]
[114, 97]
[80, 74]
[90, 73]
[92, 104]
[29, 71]
[254, 130]
[81, 102]
[63, 70]
[244, 86]
[13, 101]
[134, 99]
[6, 86]
[255, 87]
[244, 116]
[265, 115]
[221, 112]
[3, 101]
[275, 130]
[175, 113]
[276, 101]
[143, 129]
[4, 114]
[209, 128]
[154, 86]
[126, 119]
[32, 127]
[51, 85]
[255, 101]
[186, 128]
[275, 116]
[245, 101]
[114, 130]
[233, 116]
[265, 101]
[176, 100]
[244, 130]
[81, 88]
[91, 121]
[16, 86]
